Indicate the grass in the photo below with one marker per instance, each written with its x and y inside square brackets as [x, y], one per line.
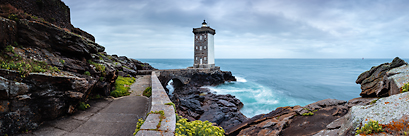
[87, 73]
[148, 92]
[171, 103]
[97, 66]
[83, 106]
[122, 85]
[161, 117]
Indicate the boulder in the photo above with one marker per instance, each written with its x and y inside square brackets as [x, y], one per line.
[383, 80]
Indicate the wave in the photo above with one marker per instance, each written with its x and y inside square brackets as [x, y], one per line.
[240, 79]
[257, 99]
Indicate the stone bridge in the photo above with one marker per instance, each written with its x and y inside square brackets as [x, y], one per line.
[181, 77]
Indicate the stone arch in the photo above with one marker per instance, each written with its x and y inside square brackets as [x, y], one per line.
[176, 83]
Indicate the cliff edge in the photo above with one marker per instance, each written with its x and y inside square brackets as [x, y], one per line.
[47, 67]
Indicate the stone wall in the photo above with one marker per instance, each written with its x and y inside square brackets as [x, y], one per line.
[159, 100]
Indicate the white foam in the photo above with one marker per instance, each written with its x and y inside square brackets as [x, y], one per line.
[170, 87]
[240, 79]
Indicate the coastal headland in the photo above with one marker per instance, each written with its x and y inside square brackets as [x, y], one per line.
[49, 68]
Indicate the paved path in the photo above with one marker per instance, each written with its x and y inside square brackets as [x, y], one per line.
[107, 116]
[141, 83]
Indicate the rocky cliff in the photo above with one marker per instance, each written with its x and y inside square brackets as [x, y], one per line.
[196, 103]
[48, 67]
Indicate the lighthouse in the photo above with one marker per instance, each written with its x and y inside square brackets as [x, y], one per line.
[204, 46]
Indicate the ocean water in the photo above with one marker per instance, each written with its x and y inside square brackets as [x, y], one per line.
[265, 84]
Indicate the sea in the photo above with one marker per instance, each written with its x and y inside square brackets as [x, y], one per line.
[265, 84]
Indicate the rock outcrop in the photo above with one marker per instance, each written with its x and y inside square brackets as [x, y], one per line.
[46, 70]
[195, 103]
[384, 80]
[293, 120]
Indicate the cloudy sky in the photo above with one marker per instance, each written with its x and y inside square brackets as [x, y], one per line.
[248, 28]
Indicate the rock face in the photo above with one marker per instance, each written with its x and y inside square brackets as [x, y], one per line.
[45, 70]
[384, 110]
[384, 80]
[195, 103]
[290, 120]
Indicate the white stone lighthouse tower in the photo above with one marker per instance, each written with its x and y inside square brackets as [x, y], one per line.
[204, 46]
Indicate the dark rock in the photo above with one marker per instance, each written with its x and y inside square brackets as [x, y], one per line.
[325, 103]
[226, 103]
[360, 101]
[8, 29]
[129, 71]
[379, 81]
[27, 99]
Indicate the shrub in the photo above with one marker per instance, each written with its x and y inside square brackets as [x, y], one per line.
[13, 17]
[405, 88]
[101, 78]
[87, 73]
[148, 92]
[138, 125]
[83, 106]
[62, 61]
[9, 48]
[308, 114]
[369, 128]
[197, 127]
[122, 85]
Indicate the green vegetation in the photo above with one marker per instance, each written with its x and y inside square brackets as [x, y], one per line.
[308, 114]
[101, 78]
[83, 106]
[138, 125]
[374, 101]
[148, 92]
[87, 73]
[122, 85]
[26, 67]
[9, 48]
[369, 128]
[161, 117]
[171, 103]
[95, 97]
[62, 61]
[13, 17]
[197, 128]
[99, 67]
[405, 88]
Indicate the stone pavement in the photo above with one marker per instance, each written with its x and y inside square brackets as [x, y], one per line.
[108, 116]
[141, 83]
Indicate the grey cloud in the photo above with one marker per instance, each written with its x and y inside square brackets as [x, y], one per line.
[257, 28]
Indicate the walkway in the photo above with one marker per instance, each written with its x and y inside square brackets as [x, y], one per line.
[141, 83]
[109, 116]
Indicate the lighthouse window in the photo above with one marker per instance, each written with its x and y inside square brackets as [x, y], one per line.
[201, 38]
[204, 58]
[204, 47]
[196, 58]
[196, 47]
[200, 47]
